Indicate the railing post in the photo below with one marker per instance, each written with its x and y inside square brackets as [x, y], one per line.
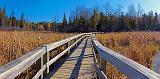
[68, 44]
[103, 65]
[47, 61]
[76, 43]
[43, 60]
[42, 66]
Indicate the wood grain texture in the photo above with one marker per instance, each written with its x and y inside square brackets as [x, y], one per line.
[17, 66]
[78, 65]
[130, 68]
[82, 63]
[38, 74]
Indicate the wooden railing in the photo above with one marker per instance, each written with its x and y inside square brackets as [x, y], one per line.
[130, 68]
[40, 56]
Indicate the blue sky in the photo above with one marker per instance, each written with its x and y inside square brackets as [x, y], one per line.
[45, 10]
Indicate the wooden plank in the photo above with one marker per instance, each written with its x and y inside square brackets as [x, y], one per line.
[99, 72]
[125, 65]
[61, 54]
[46, 58]
[17, 66]
[78, 65]
[39, 73]
[103, 65]
[54, 45]
[55, 59]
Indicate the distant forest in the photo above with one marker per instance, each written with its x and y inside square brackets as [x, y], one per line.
[84, 19]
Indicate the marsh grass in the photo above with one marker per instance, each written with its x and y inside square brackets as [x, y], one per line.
[138, 46]
[14, 44]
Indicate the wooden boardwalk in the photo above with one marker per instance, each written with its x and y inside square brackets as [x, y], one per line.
[78, 65]
[82, 63]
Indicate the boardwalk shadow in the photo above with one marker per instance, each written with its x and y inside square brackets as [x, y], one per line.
[75, 72]
[77, 57]
[58, 65]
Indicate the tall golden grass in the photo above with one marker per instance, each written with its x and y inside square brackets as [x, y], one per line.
[138, 46]
[14, 44]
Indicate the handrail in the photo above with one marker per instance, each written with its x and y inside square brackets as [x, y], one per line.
[99, 72]
[17, 66]
[55, 59]
[130, 68]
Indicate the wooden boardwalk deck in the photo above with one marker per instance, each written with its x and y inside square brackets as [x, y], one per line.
[79, 65]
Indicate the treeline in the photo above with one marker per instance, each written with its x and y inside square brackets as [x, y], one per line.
[84, 19]
[135, 19]
[12, 23]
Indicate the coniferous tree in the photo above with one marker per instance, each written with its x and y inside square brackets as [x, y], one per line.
[12, 20]
[150, 21]
[22, 21]
[70, 21]
[156, 25]
[3, 17]
[101, 24]
[95, 19]
[64, 20]
[76, 21]
[85, 19]
[64, 25]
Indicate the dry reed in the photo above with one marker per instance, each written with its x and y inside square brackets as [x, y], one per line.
[138, 46]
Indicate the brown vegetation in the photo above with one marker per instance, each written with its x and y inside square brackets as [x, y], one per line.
[139, 46]
[15, 44]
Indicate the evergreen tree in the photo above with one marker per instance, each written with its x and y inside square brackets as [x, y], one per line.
[156, 25]
[22, 21]
[63, 28]
[70, 21]
[3, 17]
[76, 21]
[64, 20]
[12, 20]
[150, 21]
[101, 23]
[95, 19]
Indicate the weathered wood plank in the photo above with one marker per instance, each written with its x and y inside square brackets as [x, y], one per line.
[55, 59]
[125, 65]
[100, 74]
[54, 45]
[61, 54]
[78, 65]
[17, 66]
[40, 72]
